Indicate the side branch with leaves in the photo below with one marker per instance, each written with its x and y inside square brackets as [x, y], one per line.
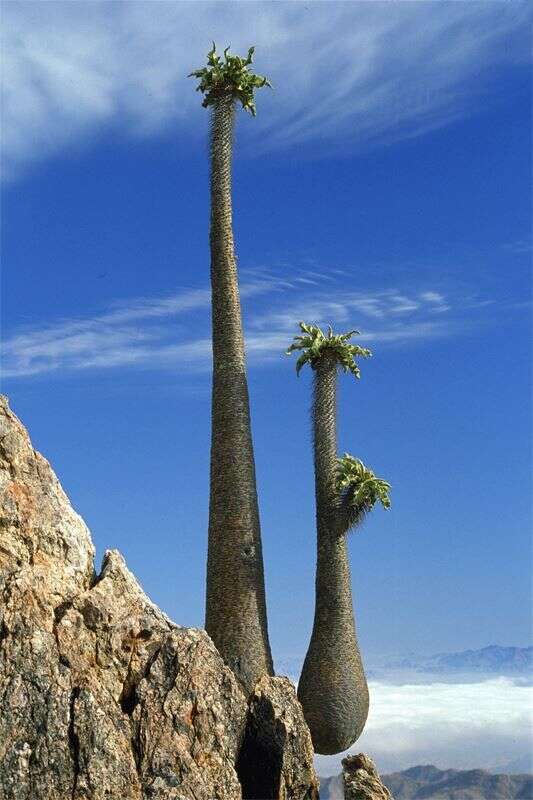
[358, 491]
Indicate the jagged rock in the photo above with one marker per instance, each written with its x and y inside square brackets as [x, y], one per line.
[102, 697]
[43, 538]
[361, 780]
[276, 732]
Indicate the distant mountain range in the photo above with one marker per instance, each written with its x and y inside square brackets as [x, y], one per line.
[494, 659]
[491, 659]
[517, 766]
[430, 783]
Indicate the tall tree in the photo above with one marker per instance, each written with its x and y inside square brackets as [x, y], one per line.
[332, 689]
[236, 616]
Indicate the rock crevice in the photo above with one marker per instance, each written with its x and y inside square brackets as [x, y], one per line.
[73, 740]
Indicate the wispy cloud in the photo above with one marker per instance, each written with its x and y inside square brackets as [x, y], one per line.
[345, 72]
[460, 725]
[135, 333]
[162, 332]
[519, 246]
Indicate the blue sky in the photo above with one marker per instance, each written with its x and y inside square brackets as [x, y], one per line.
[385, 184]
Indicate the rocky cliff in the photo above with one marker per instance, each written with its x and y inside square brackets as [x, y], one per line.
[102, 697]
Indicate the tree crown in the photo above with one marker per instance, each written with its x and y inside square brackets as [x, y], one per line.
[359, 488]
[314, 344]
[230, 76]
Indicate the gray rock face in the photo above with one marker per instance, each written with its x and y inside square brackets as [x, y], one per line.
[102, 697]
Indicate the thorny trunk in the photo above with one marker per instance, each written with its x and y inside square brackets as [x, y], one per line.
[332, 688]
[235, 603]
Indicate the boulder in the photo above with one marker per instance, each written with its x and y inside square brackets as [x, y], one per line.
[361, 779]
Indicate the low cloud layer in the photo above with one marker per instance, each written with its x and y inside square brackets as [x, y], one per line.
[353, 73]
[451, 725]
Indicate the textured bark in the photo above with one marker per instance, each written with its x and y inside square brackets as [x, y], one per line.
[361, 780]
[332, 688]
[236, 616]
[102, 697]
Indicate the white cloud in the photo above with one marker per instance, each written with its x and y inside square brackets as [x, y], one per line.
[459, 725]
[148, 332]
[432, 297]
[351, 73]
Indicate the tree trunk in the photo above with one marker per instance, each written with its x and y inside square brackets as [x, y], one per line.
[332, 688]
[235, 600]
